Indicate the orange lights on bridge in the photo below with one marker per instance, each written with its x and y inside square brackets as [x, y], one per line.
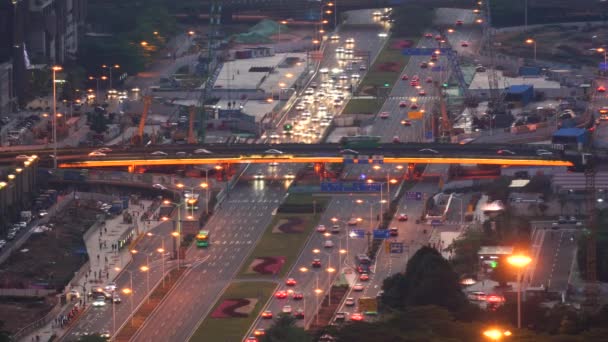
[292, 159]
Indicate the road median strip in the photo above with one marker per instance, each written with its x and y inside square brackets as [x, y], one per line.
[235, 311]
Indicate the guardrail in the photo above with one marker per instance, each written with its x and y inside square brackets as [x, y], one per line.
[38, 323]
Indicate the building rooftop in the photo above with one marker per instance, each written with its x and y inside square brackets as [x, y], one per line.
[480, 81]
[237, 75]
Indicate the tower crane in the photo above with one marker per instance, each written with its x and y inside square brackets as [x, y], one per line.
[138, 138]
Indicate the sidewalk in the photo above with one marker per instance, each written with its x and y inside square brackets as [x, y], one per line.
[105, 263]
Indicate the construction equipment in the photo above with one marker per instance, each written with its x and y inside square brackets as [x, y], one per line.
[138, 138]
[215, 15]
[191, 136]
[496, 102]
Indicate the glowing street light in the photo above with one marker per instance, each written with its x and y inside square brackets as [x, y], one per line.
[532, 41]
[495, 334]
[55, 68]
[519, 261]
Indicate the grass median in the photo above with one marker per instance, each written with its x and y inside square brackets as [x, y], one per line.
[284, 237]
[388, 65]
[362, 106]
[229, 322]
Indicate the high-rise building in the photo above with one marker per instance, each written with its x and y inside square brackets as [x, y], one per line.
[41, 32]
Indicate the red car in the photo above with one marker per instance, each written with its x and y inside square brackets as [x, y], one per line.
[438, 38]
[601, 89]
[402, 104]
[299, 314]
[464, 44]
[424, 65]
[414, 83]
[428, 35]
[259, 332]
[406, 122]
[393, 231]
[356, 316]
[364, 277]
[267, 314]
[290, 282]
[298, 296]
[251, 339]
[384, 115]
[422, 92]
[414, 106]
[316, 263]
[396, 140]
[434, 58]
[404, 77]
[402, 217]
[280, 294]
[459, 22]
[429, 80]
[416, 78]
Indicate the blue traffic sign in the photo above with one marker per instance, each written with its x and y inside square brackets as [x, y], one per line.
[413, 195]
[348, 159]
[363, 160]
[396, 247]
[357, 233]
[603, 66]
[436, 222]
[350, 187]
[429, 134]
[380, 234]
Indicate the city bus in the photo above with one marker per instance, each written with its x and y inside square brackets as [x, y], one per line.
[202, 238]
[191, 200]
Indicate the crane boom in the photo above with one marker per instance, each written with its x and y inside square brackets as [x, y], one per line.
[139, 136]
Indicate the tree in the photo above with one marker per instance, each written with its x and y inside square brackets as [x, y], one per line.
[285, 329]
[428, 280]
[4, 335]
[99, 123]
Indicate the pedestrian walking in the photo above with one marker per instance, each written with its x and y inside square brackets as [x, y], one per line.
[106, 258]
[105, 229]
[97, 257]
[100, 245]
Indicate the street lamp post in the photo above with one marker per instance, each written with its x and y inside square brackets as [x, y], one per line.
[115, 66]
[605, 60]
[519, 261]
[54, 121]
[161, 251]
[129, 291]
[532, 41]
[146, 268]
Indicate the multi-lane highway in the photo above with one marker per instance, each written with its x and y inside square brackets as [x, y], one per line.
[234, 230]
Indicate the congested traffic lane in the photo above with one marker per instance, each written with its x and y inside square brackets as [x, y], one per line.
[329, 91]
[413, 236]
[307, 277]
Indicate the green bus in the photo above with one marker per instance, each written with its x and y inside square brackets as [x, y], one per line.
[360, 141]
[202, 238]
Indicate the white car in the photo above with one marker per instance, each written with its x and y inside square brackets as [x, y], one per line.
[159, 153]
[542, 152]
[97, 154]
[384, 115]
[259, 175]
[159, 187]
[382, 34]
[104, 150]
[321, 228]
[202, 151]
[290, 175]
[287, 309]
[358, 287]
[99, 301]
[328, 244]
[111, 286]
[22, 157]
[335, 37]
[350, 40]
[300, 107]
[352, 222]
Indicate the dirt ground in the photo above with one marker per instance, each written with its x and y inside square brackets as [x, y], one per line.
[565, 43]
[47, 260]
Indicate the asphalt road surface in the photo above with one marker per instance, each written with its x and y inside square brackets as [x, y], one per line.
[234, 231]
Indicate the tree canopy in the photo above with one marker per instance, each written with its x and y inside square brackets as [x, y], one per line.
[285, 329]
[428, 280]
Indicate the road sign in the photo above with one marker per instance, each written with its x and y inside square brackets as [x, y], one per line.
[429, 134]
[363, 159]
[413, 195]
[396, 247]
[316, 55]
[368, 304]
[437, 68]
[603, 66]
[380, 234]
[357, 233]
[377, 159]
[436, 222]
[415, 115]
[422, 51]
